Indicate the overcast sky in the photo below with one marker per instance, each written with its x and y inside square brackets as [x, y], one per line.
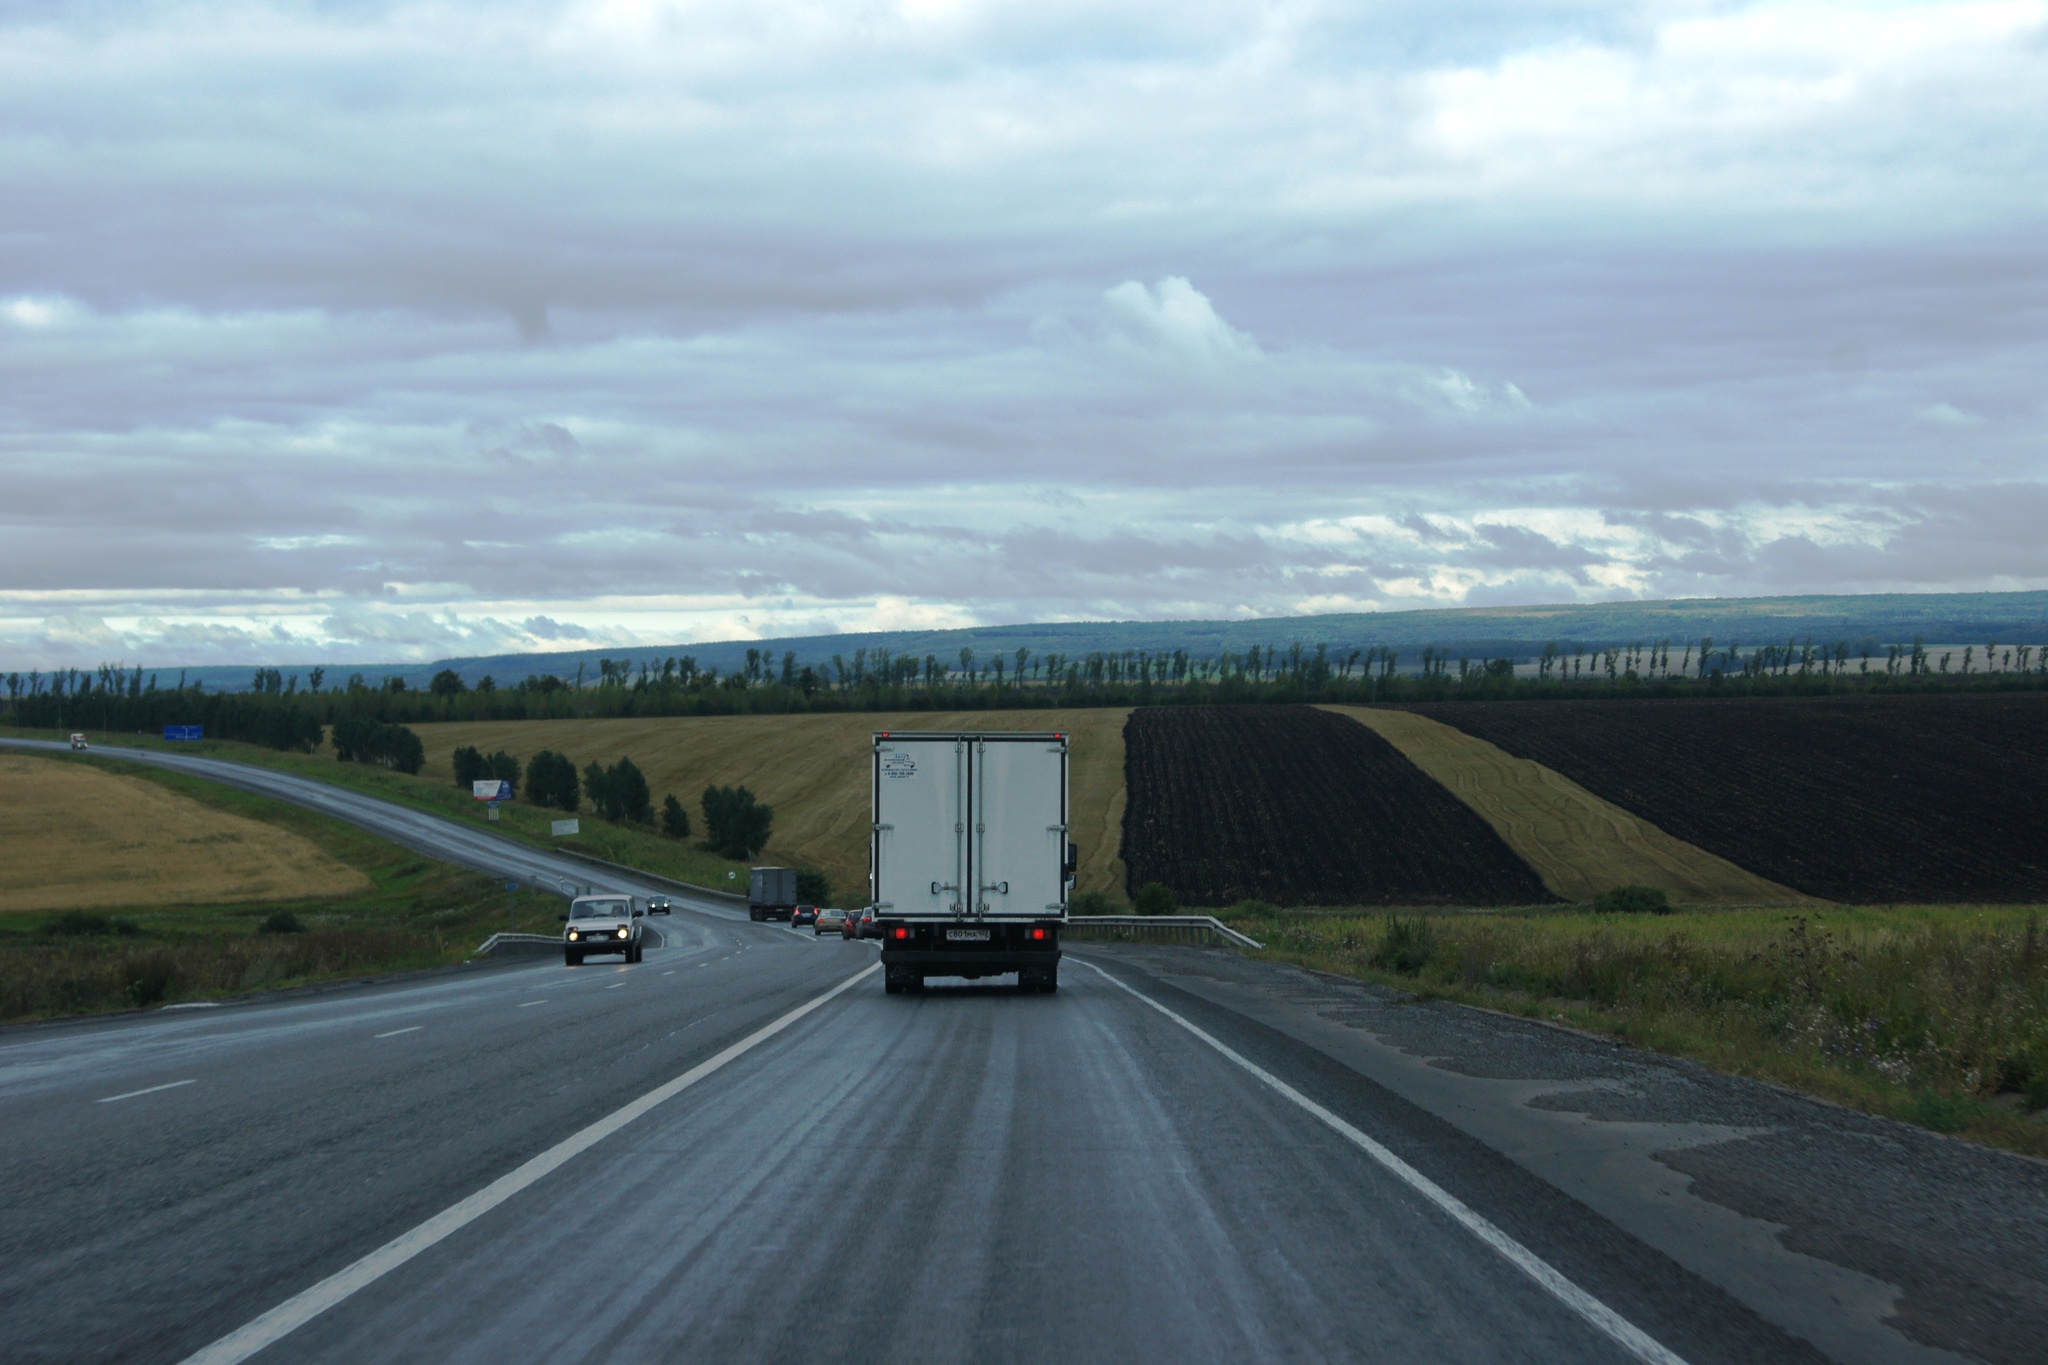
[379, 331]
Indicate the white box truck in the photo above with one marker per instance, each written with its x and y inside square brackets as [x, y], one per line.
[970, 863]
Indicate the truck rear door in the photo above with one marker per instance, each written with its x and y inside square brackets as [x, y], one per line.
[1019, 839]
[921, 848]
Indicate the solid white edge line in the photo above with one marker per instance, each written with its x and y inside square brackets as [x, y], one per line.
[167, 1085]
[1612, 1324]
[308, 1304]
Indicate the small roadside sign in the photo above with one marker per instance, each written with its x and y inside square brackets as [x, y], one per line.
[491, 789]
[188, 734]
[563, 828]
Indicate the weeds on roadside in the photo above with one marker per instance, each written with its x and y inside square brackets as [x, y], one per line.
[1936, 1017]
[83, 976]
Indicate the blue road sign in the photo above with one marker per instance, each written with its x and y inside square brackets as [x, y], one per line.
[188, 733]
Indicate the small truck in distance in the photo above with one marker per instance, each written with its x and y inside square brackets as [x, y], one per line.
[969, 861]
[771, 893]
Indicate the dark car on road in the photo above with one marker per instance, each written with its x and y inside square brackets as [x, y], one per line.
[860, 923]
[805, 914]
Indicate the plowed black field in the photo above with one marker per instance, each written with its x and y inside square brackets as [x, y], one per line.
[1296, 806]
[1866, 800]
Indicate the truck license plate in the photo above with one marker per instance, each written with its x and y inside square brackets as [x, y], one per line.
[967, 935]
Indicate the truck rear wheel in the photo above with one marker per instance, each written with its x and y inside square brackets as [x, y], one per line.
[1045, 979]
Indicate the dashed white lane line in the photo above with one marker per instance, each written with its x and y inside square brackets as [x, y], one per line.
[529, 1004]
[668, 973]
[395, 1032]
[303, 1307]
[150, 1090]
[1613, 1325]
[615, 985]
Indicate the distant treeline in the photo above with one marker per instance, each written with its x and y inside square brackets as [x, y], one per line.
[281, 712]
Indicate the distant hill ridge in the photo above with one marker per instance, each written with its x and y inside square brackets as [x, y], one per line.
[1475, 632]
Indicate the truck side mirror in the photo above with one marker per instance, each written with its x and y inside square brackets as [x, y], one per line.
[1073, 860]
[563, 917]
[638, 912]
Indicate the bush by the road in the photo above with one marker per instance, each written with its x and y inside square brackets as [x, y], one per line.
[1154, 898]
[472, 765]
[1092, 903]
[363, 739]
[551, 781]
[813, 888]
[675, 821]
[618, 792]
[1633, 900]
[735, 824]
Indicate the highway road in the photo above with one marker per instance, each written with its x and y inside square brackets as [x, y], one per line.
[743, 1150]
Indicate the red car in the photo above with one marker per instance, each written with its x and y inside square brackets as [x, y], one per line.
[860, 923]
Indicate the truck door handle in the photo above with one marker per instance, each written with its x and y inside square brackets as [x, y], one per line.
[1000, 888]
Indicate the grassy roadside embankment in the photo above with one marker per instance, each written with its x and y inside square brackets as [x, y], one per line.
[678, 859]
[1937, 1015]
[407, 912]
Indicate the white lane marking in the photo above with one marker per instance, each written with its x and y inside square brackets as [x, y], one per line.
[668, 973]
[615, 985]
[303, 1307]
[395, 1032]
[531, 1003]
[1620, 1330]
[167, 1085]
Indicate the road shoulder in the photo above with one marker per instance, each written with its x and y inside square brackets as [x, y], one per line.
[1871, 1239]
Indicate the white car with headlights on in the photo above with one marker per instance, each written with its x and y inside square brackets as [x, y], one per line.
[604, 924]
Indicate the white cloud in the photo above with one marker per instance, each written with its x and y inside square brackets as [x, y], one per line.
[1175, 315]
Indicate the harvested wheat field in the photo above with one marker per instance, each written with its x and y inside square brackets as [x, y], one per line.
[813, 769]
[76, 837]
[1579, 844]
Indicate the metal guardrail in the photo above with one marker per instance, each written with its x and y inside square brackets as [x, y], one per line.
[516, 941]
[1164, 929]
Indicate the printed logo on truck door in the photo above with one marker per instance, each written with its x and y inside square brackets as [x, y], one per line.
[896, 763]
